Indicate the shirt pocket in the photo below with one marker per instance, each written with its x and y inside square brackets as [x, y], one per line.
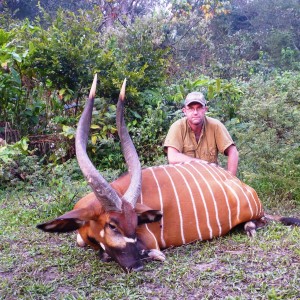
[209, 154]
[189, 151]
[213, 155]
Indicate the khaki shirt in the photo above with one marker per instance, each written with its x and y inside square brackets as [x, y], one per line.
[214, 139]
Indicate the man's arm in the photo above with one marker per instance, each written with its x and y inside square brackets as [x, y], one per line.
[233, 159]
[174, 157]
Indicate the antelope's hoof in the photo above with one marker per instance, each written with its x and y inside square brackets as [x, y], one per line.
[251, 233]
[156, 255]
[80, 241]
[250, 228]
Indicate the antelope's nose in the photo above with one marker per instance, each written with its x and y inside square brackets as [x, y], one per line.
[137, 268]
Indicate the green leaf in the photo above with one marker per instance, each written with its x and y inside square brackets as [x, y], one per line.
[210, 93]
[16, 56]
[94, 126]
[138, 116]
[218, 85]
[94, 139]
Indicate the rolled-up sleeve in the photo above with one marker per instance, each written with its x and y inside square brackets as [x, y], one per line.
[174, 137]
[223, 138]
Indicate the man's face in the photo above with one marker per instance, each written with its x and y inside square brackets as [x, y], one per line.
[195, 113]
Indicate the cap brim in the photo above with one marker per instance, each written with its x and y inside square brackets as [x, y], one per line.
[188, 102]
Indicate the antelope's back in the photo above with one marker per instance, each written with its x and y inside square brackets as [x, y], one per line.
[199, 201]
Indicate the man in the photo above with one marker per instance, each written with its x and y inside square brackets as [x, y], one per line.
[198, 137]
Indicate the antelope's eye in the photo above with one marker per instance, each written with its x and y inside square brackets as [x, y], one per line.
[112, 227]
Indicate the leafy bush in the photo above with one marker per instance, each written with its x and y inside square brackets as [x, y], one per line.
[268, 134]
[149, 128]
[16, 165]
[20, 168]
[11, 91]
[223, 96]
[51, 67]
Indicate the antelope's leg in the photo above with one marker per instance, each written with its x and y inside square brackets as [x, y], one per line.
[148, 245]
[154, 254]
[250, 228]
[80, 241]
[253, 225]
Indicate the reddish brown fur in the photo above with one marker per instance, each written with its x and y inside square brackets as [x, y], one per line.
[151, 199]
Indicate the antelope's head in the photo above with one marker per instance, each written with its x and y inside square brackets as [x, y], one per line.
[106, 218]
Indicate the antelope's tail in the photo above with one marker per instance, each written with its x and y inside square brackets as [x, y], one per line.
[289, 221]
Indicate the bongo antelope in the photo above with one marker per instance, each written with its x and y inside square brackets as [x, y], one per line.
[145, 211]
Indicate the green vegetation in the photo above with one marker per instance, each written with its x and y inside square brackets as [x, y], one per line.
[245, 57]
[35, 265]
[269, 130]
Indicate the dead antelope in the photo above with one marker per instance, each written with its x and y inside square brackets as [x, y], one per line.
[147, 210]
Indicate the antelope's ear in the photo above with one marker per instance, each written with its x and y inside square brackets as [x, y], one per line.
[61, 225]
[68, 222]
[146, 214]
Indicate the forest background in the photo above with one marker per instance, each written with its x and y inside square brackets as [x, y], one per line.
[243, 55]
